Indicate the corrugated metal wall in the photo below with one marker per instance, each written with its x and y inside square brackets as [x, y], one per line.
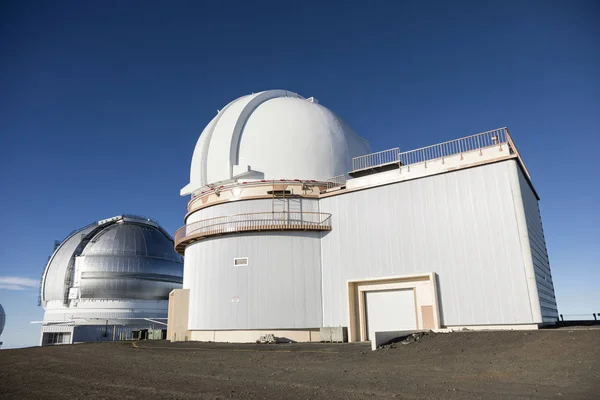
[460, 225]
[539, 252]
[279, 288]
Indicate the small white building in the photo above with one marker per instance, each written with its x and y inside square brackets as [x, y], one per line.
[107, 279]
[293, 226]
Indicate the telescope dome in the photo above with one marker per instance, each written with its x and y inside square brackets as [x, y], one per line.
[2, 319]
[276, 134]
[120, 258]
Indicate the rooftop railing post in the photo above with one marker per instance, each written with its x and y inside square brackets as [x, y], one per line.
[442, 154]
[495, 140]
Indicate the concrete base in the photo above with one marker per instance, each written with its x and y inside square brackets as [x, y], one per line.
[523, 327]
[336, 334]
[251, 336]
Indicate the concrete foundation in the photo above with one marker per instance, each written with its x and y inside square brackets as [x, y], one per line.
[251, 336]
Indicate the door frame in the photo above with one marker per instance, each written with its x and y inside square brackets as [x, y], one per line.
[425, 292]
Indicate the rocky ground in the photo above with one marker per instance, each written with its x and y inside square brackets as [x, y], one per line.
[463, 365]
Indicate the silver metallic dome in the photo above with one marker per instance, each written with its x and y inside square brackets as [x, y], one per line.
[121, 258]
[2, 319]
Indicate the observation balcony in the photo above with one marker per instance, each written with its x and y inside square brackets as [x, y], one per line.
[262, 189]
[250, 222]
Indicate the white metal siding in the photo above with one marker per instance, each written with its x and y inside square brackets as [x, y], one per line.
[460, 225]
[539, 253]
[280, 287]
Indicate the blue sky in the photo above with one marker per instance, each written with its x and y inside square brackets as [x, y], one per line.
[101, 104]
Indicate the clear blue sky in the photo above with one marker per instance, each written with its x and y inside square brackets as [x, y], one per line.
[101, 104]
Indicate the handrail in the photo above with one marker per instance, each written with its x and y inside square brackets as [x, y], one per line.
[373, 160]
[495, 137]
[254, 221]
[336, 181]
[253, 183]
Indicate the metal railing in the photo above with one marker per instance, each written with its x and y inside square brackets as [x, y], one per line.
[373, 160]
[304, 184]
[495, 138]
[579, 317]
[336, 181]
[255, 221]
[263, 182]
[480, 141]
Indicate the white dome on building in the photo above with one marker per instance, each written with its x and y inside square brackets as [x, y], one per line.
[274, 134]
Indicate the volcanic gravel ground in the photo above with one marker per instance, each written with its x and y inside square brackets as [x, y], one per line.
[463, 365]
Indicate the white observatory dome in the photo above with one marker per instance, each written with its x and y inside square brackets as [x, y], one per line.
[274, 134]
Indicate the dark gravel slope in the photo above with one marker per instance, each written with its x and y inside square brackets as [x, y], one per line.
[489, 365]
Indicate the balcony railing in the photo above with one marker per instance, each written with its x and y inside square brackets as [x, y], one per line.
[495, 138]
[336, 181]
[480, 141]
[299, 221]
[375, 159]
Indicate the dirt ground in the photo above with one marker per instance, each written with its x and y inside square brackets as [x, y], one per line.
[464, 365]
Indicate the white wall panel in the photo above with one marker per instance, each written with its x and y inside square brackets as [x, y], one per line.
[539, 253]
[390, 310]
[460, 225]
[280, 287]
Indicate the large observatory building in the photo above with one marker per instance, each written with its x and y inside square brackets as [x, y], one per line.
[107, 279]
[294, 227]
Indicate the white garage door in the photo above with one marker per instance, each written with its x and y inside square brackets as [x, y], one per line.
[390, 310]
